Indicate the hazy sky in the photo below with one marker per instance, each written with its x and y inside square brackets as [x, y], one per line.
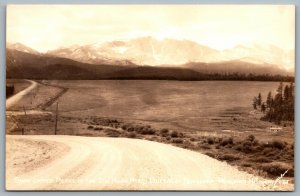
[46, 27]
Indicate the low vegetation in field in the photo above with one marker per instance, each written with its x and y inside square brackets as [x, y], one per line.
[266, 158]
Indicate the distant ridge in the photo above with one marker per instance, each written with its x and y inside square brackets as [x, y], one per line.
[42, 66]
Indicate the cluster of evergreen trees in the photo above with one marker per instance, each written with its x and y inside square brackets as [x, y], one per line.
[279, 107]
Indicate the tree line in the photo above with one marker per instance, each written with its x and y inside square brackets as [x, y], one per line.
[202, 77]
[279, 107]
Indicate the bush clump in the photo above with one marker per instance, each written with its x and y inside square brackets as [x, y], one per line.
[98, 128]
[210, 140]
[247, 147]
[177, 140]
[192, 139]
[204, 146]
[174, 134]
[210, 154]
[250, 138]
[124, 127]
[226, 141]
[276, 169]
[90, 127]
[228, 157]
[278, 144]
[146, 131]
[164, 132]
[132, 135]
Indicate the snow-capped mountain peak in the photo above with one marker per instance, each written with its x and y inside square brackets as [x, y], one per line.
[21, 47]
[151, 51]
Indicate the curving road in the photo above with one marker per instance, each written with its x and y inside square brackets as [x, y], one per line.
[58, 162]
[15, 98]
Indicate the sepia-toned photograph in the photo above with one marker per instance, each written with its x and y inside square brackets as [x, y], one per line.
[150, 97]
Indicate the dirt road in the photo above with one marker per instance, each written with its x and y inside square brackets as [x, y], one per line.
[91, 163]
[15, 98]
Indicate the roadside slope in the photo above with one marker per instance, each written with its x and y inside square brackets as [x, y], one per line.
[93, 163]
[17, 97]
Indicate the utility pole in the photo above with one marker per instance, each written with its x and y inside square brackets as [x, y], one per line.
[24, 110]
[56, 116]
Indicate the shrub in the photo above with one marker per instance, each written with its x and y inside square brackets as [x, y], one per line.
[247, 165]
[113, 121]
[115, 125]
[177, 140]
[187, 144]
[180, 134]
[132, 135]
[229, 146]
[90, 127]
[278, 144]
[210, 154]
[230, 140]
[224, 142]
[292, 146]
[138, 128]
[192, 139]
[250, 138]
[247, 147]
[124, 127]
[276, 169]
[210, 140]
[229, 157]
[130, 129]
[238, 147]
[98, 128]
[164, 131]
[261, 160]
[220, 140]
[174, 134]
[146, 131]
[255, 142]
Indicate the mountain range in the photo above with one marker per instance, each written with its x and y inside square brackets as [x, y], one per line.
[180, 59]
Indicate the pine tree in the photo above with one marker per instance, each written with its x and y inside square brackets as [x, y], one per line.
[254, 103]
[291, 92]
[281, 108]
[280, 88]
[259, 99]
[286, 93]
[278, 97]
[269, 100]
[263, 107]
